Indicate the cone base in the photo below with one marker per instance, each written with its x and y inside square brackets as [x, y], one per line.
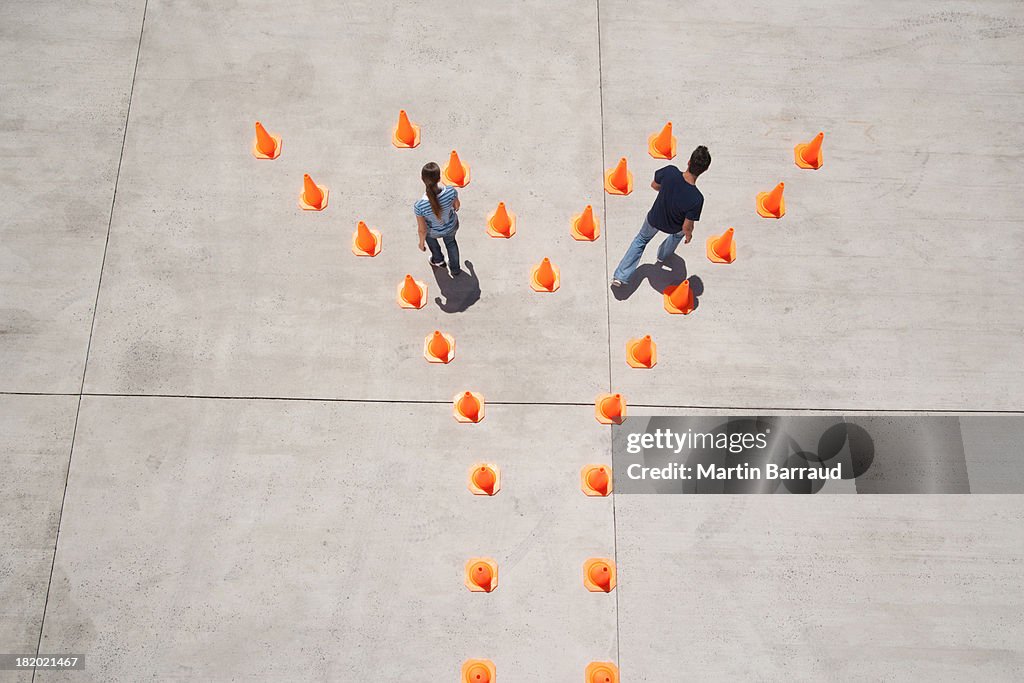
[713, 255]
[604, 419]
[423, 296]
[653, 150]
[376, 244]
[470, 663]
[451, 181]
[497, 233]
[476, 490]
[260, 155]
[801, 162]
[612, 189]
[306, 206]
[462, 418]
[585, 487]
[631, 359]
[476, 588]
[431, 358]
[579, 236]
[538, 287]
[671, 307]
[402, 144]
[593, 587]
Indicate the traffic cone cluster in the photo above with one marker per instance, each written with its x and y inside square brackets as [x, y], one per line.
[806, 155]
[480, 574]
[484, 479]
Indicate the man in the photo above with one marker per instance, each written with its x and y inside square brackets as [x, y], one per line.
[675, 210]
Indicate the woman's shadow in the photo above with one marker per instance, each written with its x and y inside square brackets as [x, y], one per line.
[660, 276]
[459, 292]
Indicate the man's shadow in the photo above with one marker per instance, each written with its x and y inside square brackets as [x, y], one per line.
[459, 292]
[659, 277]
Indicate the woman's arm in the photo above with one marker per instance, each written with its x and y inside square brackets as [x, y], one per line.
[456, 204]
[421, 224]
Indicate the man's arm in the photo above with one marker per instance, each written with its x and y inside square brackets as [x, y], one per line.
[687, 230]
[655, 186]
[421, 223]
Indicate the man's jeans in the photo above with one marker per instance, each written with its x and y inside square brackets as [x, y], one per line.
[632, 258]
[453, 251]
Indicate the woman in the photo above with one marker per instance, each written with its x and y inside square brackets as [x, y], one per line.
[437, 218]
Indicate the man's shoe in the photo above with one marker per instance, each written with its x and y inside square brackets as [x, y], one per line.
[617, 282]
[442, 264]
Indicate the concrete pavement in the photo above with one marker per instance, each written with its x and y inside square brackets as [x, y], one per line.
[263, 478]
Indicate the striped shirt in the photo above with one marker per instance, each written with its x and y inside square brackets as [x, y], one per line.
[449, 220]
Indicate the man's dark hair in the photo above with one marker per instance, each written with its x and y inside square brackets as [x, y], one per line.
[699, 161]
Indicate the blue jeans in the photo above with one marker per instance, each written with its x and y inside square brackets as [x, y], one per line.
[632, 258]
[453, 251]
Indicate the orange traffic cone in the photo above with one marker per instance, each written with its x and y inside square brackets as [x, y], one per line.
[679, 298]
[545, 277]
[641, 353]
[469, 407]
[585, 226]
[722, 248]
[481, 574]
[618, 180]
[412, 293]
[439, 347]
[610, 408]
[456, 172]
[602, 672]
[501, 223]
[808, 154]
[365, 241]
[478, 671]
[599, 575]
[772, 204]
[405, 135]
[313, 197]
[596, 480]
[265, 145]
[484, 479]
[662, 145]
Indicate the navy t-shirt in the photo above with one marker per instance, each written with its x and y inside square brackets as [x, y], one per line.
[677, 200]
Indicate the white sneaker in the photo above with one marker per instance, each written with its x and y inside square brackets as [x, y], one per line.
[617, 283]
